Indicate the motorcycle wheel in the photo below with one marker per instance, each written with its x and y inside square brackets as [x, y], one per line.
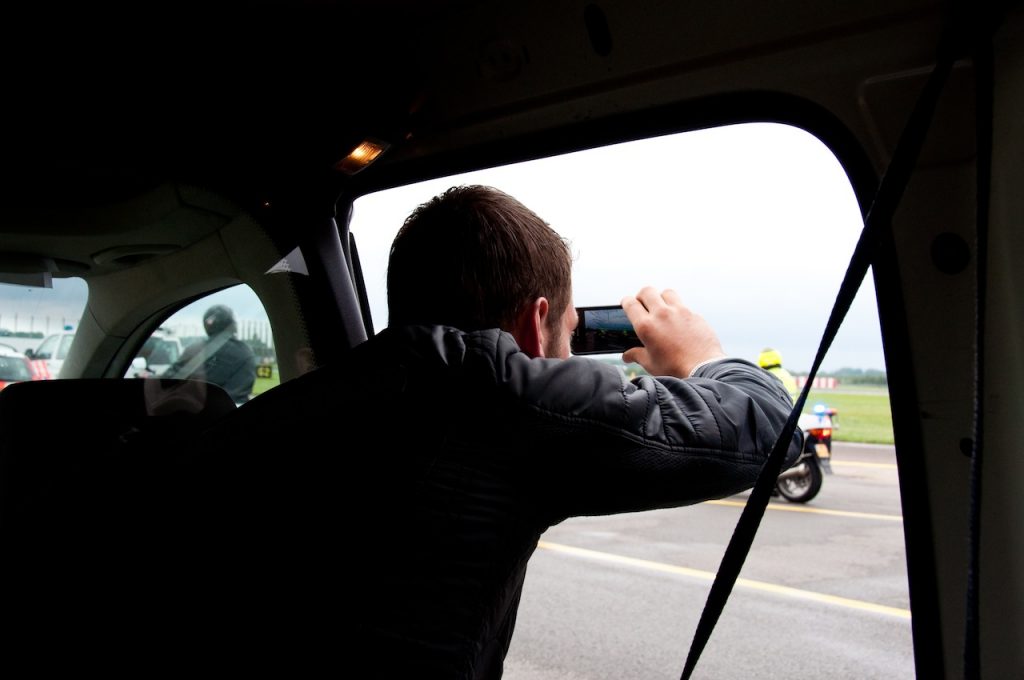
[802, 488]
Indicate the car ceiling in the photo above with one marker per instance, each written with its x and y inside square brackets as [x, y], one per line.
[133, 133]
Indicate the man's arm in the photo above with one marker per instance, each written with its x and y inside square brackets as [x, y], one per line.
[602, 444]
[702, 429]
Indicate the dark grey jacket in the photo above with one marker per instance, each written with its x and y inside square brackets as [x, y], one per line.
[471, 451]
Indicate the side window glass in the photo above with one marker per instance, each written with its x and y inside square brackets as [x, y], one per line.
[224, 338]
[38, 322]
[47, 347]
[65, 346]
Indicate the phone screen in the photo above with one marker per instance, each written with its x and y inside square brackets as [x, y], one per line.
[603, 330]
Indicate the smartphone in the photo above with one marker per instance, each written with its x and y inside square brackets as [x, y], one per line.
[603, 330]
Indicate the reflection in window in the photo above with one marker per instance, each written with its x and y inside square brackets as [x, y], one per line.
[224, 338]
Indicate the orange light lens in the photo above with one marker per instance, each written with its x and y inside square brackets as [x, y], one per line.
[367, 152]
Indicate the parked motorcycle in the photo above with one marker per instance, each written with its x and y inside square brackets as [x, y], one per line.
[802, 482]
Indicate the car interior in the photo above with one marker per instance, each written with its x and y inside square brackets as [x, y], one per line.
[168, 154]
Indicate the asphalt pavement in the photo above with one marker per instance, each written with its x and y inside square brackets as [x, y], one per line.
[823, 592]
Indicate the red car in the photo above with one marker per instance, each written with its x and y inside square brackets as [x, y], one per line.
[15, 367]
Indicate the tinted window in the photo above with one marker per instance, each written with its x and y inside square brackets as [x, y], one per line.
[47, 348]
[13, 368]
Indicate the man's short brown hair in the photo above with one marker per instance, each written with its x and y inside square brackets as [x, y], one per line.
[473, 257]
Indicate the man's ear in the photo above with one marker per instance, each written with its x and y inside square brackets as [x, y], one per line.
[529, 330]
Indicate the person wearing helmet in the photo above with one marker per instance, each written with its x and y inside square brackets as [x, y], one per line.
[221, 359]
[771, 361]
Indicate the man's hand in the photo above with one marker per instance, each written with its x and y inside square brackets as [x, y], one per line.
[675, 338]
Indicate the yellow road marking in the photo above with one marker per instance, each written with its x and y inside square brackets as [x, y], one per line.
[857, 463]
[742, 582]
[815, 511]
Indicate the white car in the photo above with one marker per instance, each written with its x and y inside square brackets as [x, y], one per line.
[53, 350]
[156, 355]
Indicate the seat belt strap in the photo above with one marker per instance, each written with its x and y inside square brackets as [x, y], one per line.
[887, 197]
[982, 57]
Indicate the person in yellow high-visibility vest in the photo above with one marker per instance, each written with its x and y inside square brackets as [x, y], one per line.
[771, 361]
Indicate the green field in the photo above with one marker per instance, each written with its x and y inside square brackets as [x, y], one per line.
[263, 384]
[863, 414]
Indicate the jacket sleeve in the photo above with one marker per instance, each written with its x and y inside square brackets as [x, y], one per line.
[602, 444]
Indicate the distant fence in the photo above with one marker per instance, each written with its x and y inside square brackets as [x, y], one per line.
[820, 382]
[12, 322]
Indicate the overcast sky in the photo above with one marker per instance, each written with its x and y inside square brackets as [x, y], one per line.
[752, 224]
